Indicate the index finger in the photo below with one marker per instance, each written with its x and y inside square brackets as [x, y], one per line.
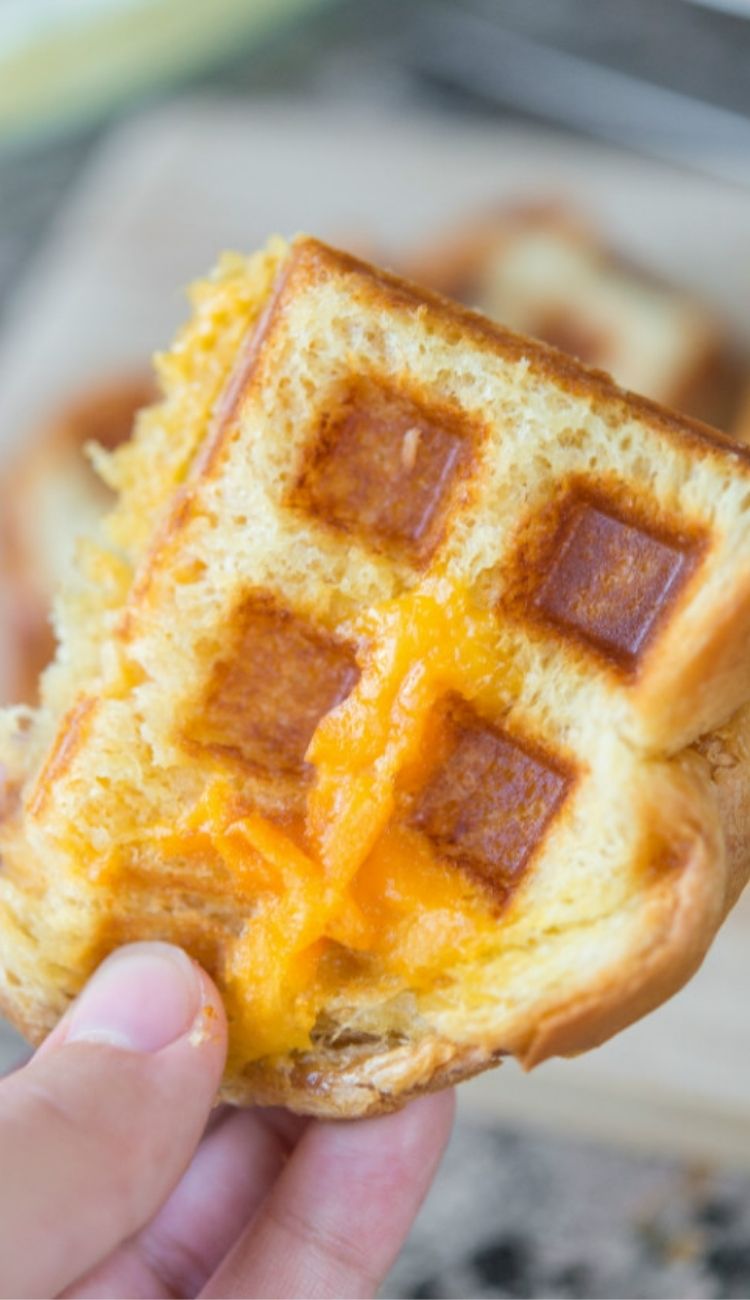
[338, 1215]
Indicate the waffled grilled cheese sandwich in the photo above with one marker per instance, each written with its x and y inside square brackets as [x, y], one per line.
[400, 696]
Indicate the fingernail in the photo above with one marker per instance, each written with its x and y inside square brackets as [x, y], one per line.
[142, 998]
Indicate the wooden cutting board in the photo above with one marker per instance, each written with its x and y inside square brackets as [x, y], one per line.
[172, 189]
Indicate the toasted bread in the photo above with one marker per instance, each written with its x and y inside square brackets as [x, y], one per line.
[545, 271]
[49, 495]
[399, 697]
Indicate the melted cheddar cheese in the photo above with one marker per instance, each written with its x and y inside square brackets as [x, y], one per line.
[356, 876]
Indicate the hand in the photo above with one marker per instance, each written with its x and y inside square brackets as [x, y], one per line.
[113, 1184]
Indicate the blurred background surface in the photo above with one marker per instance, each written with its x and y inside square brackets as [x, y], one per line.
[577, 168]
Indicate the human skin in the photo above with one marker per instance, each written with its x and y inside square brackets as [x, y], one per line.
[119, 1180]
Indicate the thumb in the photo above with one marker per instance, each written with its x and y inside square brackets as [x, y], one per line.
[99, 1126]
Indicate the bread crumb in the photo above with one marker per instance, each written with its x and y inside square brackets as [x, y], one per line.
[204, 1030]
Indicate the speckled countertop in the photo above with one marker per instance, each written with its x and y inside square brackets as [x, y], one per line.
[512, 1213]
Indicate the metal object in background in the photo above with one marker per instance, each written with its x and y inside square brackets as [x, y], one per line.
[659, 76]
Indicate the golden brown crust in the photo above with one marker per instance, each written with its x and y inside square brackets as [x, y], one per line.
[559, 368]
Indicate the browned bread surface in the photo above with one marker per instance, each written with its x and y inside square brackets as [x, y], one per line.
[400, 698]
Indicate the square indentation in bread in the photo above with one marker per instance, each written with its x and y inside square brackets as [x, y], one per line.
[610, 581]
[384, 467]
[279, 677]
[491, 798]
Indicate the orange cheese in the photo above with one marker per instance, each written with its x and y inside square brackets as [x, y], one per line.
[366, 882]
[356, 876]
